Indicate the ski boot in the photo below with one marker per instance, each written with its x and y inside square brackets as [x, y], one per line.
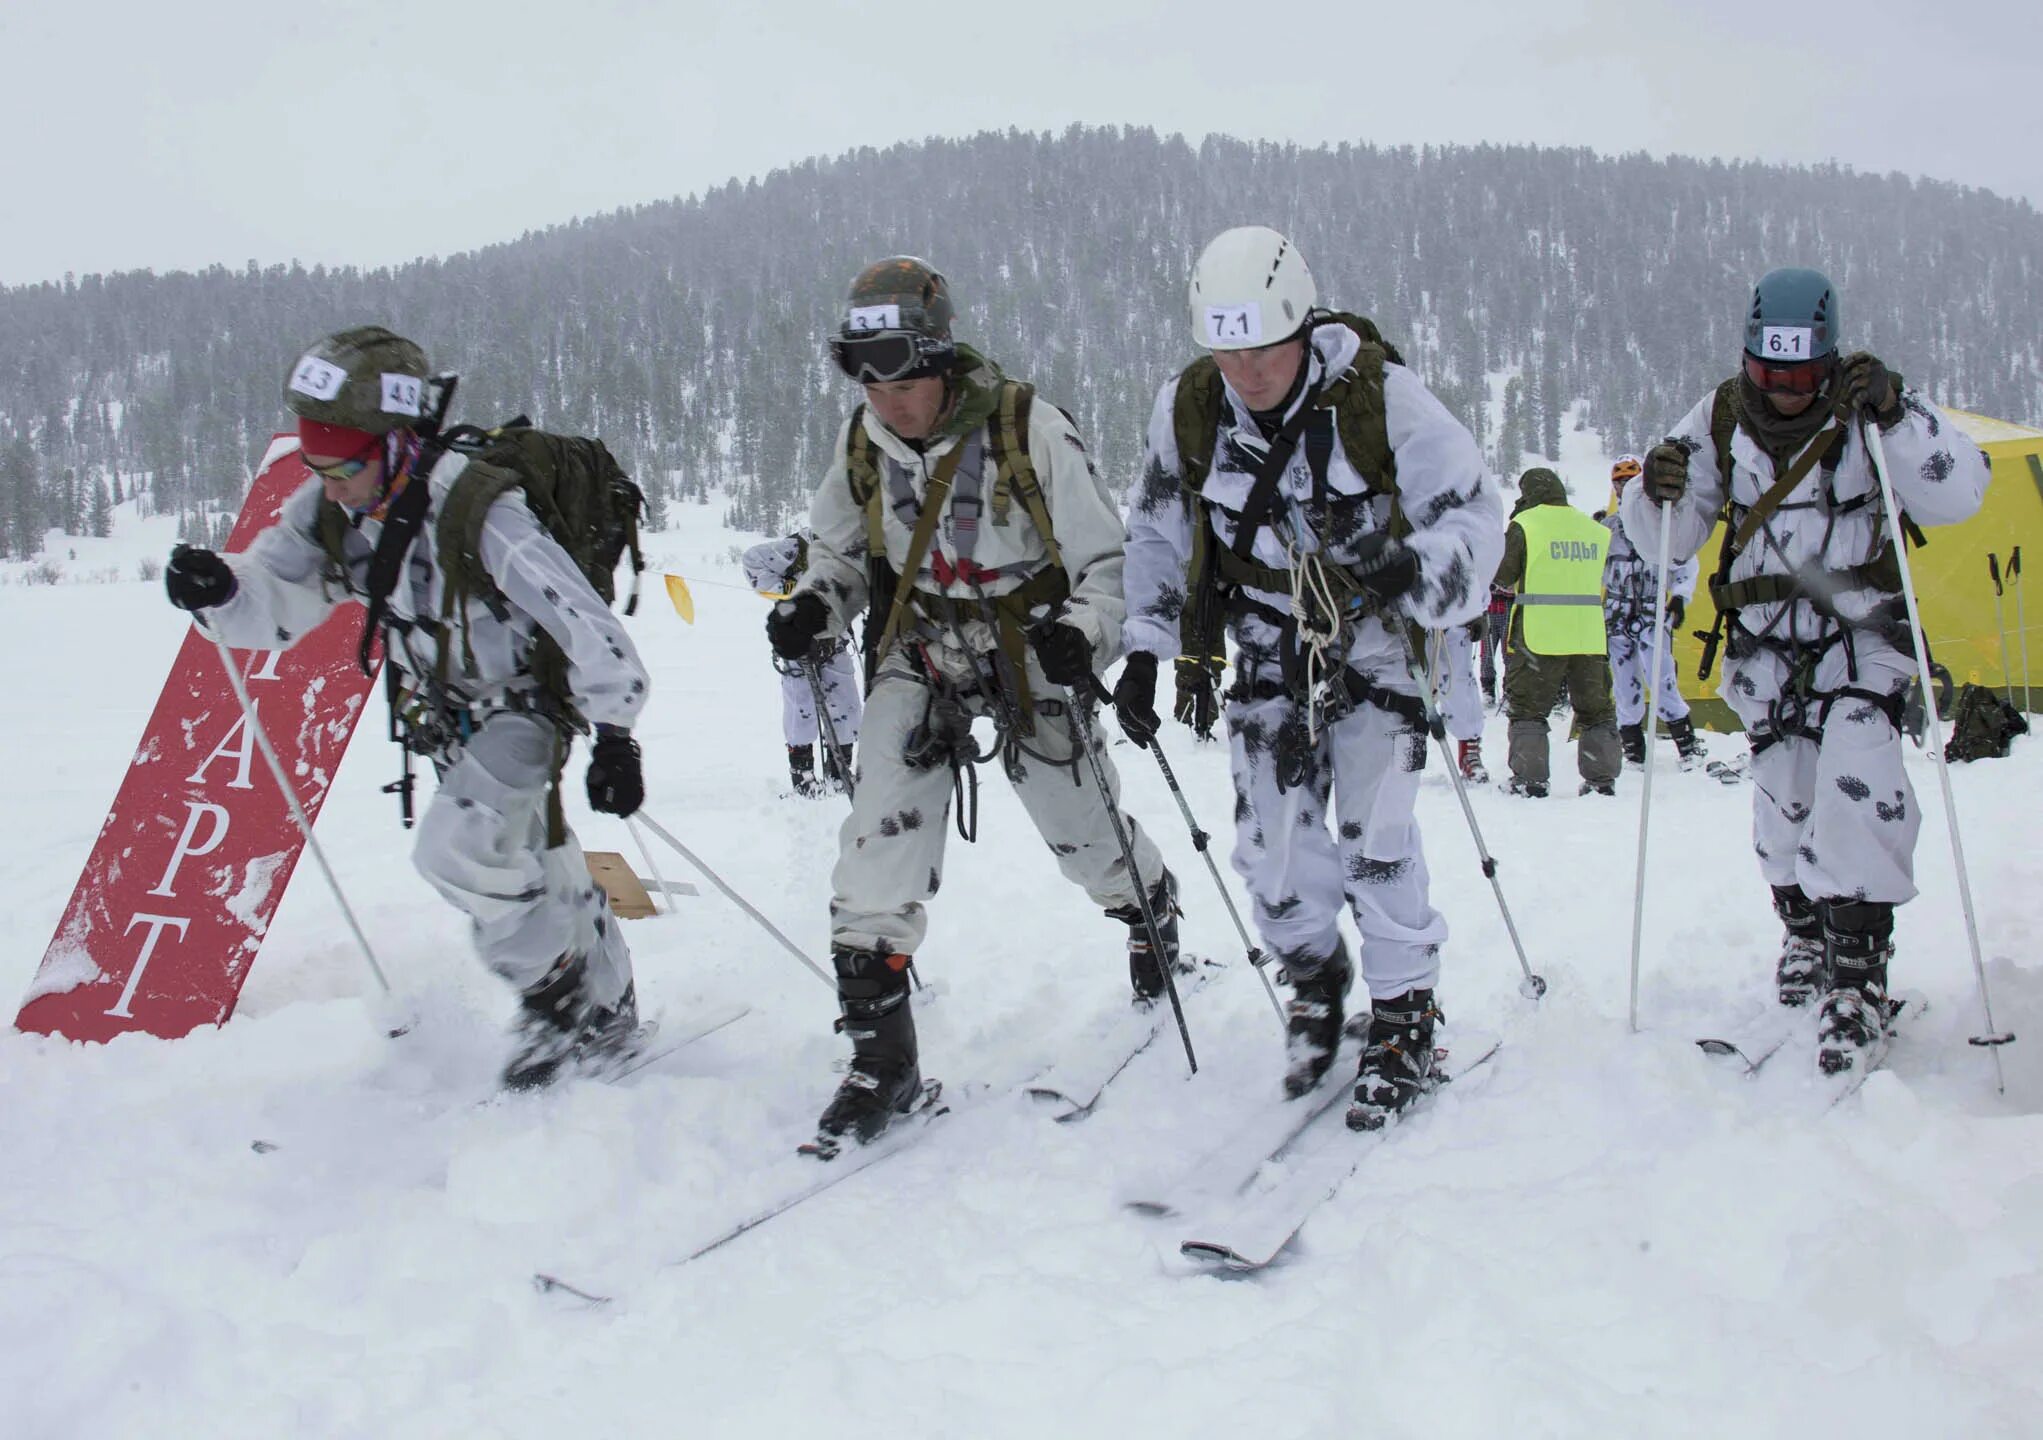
[1851, 1023]
[1687, 743]
[1798, 974]
[1312, 1020]
[801, 768]
[1531, 789]
[1397, 1062]
[556, 1024]
[1598, 787]
[883, 1082]
[1469, 754]
[1144, 974]
[1633, 738]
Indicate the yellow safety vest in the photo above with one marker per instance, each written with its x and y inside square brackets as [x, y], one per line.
[1563, 591]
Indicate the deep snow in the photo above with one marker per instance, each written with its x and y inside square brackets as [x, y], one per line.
[1604, 1234]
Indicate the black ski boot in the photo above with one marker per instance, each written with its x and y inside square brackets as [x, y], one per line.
[801, 768]
[1687, 742]
[1531, 789]
[1319, 996]
[1633, 738]
[1598, 787]
[1144, 974]
[1397, 1064]
[556, 1024]
[883, 1082]
[1851, 1023]
[1798, 974]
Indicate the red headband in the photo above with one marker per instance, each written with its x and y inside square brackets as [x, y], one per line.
[316, 437]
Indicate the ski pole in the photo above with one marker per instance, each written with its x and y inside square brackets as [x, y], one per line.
[1081, 720]
[1258, 958]
[813, 673]
[1994, 1037]
[1532, 986]
[1652, 681]
[2007, 674]
[2021, 621]
[639, 838]
[290, 793]
[733, 896]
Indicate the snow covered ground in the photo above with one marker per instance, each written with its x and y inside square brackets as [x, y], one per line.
[1603, 1234]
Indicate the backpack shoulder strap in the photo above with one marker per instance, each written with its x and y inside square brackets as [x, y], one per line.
[1724, 426]
[1195, 420]
[1015, 472]
[862, 474]
[933, 500]
[1362, 420]
[400, 527]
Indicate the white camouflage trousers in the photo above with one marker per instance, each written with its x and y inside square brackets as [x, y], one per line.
[841, 692]
[1299, 875]
[1837, 816]
[1630, 658]
[1455, 690]
[891, 846]
[482, 845]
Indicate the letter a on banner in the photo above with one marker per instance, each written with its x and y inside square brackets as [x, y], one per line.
[188, 869]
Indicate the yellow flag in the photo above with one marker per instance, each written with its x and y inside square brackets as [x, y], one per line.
[684, 603]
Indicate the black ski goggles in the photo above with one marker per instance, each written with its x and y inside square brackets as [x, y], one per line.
[884, 355]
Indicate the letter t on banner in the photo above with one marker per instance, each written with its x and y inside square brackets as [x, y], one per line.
[170, 911]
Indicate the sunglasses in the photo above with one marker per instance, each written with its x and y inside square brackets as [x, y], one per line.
[1800, 377]
[348, 469]
[884, 355]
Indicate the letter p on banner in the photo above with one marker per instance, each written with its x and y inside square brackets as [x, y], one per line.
[170, 911]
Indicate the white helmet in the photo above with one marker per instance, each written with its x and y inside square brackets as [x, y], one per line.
[1250, 288]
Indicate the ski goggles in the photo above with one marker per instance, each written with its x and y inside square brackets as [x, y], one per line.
[343, 470]
[1799, 377]
[884, 355]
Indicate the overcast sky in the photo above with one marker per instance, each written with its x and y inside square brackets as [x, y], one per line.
[138, 134]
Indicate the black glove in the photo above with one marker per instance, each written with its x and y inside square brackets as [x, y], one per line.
[1066, 654]
[1198, 698]
[1384, 567]
[1135, 698]
[617, 786]
[793, 625]
[1666, 477]
[197, 579]
[1871, 388]
[1677, 611]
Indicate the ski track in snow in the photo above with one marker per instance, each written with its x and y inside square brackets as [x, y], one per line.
[1611, 1235]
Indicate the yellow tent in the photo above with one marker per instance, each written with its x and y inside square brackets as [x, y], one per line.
[1953, 584]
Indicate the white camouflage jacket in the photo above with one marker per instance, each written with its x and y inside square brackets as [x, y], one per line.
[1831, 519]
[1631, 581]
[1088, 532]
[282, 593]
[1444, 488]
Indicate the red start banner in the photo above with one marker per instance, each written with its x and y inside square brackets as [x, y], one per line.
[171, 909]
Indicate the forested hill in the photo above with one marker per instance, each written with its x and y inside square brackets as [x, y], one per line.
[689, 333]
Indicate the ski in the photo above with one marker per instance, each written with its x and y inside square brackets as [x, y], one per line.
[644, 1052]
[1249, 1233]
[1754, 1048]
[1727, 772]
[1072, 1087]
[1231, 1162]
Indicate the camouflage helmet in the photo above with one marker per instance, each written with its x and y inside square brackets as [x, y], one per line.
[896, 323]
[365, 379]
[909, 295]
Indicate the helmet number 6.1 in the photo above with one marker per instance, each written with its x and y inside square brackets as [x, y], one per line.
[1786, 342]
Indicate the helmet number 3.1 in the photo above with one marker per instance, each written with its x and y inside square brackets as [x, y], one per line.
[1234, 325]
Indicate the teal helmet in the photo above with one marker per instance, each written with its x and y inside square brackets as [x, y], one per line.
[1793, 319]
